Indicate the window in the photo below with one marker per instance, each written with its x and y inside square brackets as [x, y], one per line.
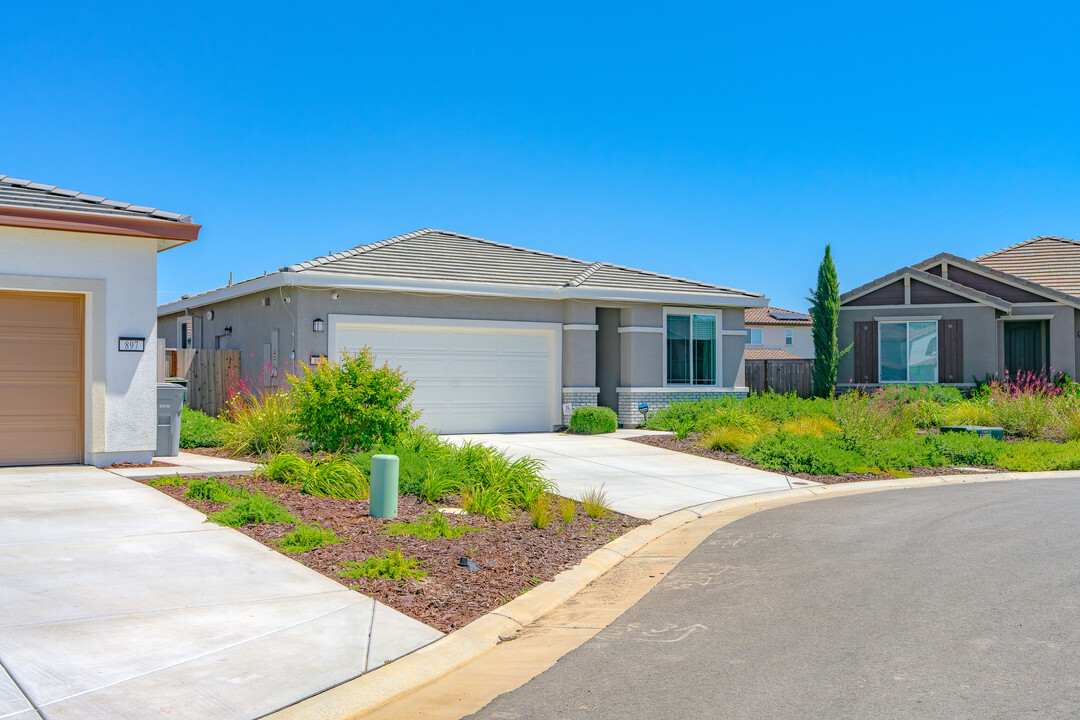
[788, 339]
[691, 349]
[184, 333]
[908, 351]
[753, 336]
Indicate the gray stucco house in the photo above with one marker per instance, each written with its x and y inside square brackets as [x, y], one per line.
[953, 321]
[499, 338]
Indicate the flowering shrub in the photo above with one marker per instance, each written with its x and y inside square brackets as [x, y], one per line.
[865, 419]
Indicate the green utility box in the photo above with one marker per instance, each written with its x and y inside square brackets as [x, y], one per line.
[384, 486]
[995, 433]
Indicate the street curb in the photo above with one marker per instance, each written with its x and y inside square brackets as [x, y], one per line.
[355, 698]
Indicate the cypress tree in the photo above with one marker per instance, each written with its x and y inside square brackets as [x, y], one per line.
[825, 312]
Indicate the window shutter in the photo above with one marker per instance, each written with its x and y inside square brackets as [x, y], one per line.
[950, 351]
[866, 353]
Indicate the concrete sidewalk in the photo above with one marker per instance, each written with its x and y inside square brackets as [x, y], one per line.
[187, 463]
[640, 480]
[119, 602]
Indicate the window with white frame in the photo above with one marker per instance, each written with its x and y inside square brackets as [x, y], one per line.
[184, 333]
[908, 351]
[753, 336]
[789, 338]
[691, 347]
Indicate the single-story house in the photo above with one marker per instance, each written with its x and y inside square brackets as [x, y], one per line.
[955, 321]
[773, 333]
[78, 349]
[499, 338]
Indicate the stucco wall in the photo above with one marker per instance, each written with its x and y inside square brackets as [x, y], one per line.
[118, 275]
[773, 336]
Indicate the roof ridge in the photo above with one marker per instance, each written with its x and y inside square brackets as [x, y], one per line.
[354, 251]
[585, 274]
[155, 213]
[1025, 242]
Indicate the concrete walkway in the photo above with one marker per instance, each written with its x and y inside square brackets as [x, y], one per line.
[640, 480]
[189, 464]
[118, 602]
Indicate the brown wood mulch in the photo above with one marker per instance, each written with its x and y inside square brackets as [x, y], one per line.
[155, 463]
[691, 446]
[513, 556]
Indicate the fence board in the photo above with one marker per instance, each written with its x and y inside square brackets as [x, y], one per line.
[210, 375]
[781, 376]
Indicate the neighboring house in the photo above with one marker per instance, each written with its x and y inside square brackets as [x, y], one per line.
[776, 334]
[499, 338]
[78, 350]
[954, 321]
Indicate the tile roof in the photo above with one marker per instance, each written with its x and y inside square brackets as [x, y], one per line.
[1052, 262]
[770, 354]
[769, 315]
[440, 255]
[26, 194]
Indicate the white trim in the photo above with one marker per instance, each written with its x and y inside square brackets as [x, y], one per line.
[555, 415]
[581, 389]
[908, 308]
[906, 318]
[579, 326]
[641, 329]
[315, 279]
[682, 388]
[1040, 304]
[1014, 318]
[907, 289]
[718, 352]
[738, 332]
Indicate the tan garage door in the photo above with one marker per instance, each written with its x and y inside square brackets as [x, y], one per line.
[41, 378]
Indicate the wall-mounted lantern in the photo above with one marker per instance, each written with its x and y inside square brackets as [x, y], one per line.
[319, 325]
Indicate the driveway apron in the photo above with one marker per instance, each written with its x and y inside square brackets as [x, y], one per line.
[640, 480]
[118, 602]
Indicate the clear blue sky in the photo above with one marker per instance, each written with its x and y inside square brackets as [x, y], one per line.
[718, 141]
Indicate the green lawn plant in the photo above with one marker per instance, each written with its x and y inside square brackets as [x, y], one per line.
[257, 509]
[567, 509]
[392, 565]
[433, 525]
[587, 420]
[198, 430]
[595, 502]
[308, 536]
[213, 490]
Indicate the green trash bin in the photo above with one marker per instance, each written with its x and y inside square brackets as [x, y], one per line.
[182, 382]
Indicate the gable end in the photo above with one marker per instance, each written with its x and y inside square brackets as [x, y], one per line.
[926, 294]
[891, 294]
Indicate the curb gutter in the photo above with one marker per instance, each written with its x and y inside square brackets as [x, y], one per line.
[357, 697]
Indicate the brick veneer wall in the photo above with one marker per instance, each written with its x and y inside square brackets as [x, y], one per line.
[576, 399]
[630, 416]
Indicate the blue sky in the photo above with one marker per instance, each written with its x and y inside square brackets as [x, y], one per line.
[722, 142]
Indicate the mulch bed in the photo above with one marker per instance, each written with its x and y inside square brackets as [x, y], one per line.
[690, 446]
[513, 556]
[155, 463]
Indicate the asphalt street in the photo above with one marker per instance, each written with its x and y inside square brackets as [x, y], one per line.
[959, 601]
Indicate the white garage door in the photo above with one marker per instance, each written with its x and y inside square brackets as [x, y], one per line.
[471, 376]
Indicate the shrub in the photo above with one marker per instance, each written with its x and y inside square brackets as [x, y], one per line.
[307, 537]
[540, 512]
[681, 417]
[727, 438]
[285, 467]
[939, 394]
[1067, 415]
[393, 565]
[778, 408]
[167, 480]
[587, 420]
[253, 510]
[336, 479]
[818, 426]
[800, 454]
[965, 448]
[595, 502]
[213, 490]
[973, 412]
[898, 453]
[1024, 411]
[261, 426]
[868, 419]
[431, 526]
[353, 404]
[198, 429]
[734, 415]
[490, 500]
[567, 509]
[437, 482]
[1032, 456]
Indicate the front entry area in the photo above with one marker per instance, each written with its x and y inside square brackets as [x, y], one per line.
[1026, 347]
[41, 378]
[472, 376]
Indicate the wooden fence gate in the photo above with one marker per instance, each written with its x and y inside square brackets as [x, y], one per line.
[781, 376]
[210, 375]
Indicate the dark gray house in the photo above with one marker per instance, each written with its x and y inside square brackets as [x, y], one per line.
[952, 320]
[498, 337]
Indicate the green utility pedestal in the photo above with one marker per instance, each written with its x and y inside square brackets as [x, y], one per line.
[384, 486]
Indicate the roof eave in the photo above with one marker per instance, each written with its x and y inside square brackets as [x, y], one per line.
[168, 232]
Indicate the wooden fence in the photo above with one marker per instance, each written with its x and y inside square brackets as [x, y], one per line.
[781, 376]
[210, 375]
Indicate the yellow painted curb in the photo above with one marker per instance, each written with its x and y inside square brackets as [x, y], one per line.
[357, 697]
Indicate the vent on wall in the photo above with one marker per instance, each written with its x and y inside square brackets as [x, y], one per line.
[267, 302]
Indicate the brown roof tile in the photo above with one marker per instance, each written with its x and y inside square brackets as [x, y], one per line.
[774, 316]
[1053, 262]
[770, 354]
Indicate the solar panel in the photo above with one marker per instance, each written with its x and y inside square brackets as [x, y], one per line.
[789, 316]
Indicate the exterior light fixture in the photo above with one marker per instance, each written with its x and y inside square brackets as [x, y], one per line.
[319, 325]
[227, 330]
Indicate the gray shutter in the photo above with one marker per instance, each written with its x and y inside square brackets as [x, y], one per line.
[950, 351]
[866, 353]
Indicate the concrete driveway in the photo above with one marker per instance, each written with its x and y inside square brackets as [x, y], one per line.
[118, 602]
[640, 480]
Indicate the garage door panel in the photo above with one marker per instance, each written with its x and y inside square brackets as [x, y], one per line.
[468, 379]
[41, 378]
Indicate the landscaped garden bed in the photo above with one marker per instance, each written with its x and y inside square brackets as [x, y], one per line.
[512, 556]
